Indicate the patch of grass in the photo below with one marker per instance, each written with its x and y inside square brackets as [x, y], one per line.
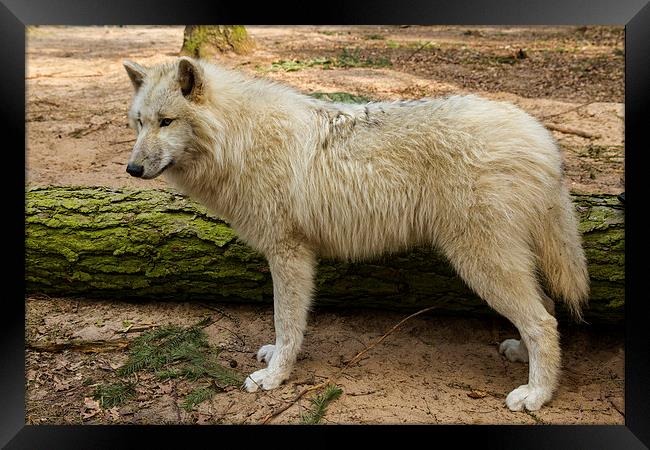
[353, 59]
[504, 59]
[109, 395]
[410, 44]
[347, 59]
[340, 97]
[374, 37]
[320, 404]
[296, 64]
[418, 44]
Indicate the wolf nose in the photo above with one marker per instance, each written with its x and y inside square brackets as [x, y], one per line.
[135, 170]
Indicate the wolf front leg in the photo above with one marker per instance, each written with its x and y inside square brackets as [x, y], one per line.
[292, 269]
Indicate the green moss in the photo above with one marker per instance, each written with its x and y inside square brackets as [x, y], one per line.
[599, 218]
[346, 59]
[203, 41]
[218, 233]
[157, 244]
[340, 97]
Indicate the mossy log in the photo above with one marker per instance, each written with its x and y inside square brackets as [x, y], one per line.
[123, 243]
[201, 41]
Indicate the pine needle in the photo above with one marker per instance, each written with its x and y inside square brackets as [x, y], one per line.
[161, 346]
[174, 352]
[320, 403]
[110, 395]
[197, 396]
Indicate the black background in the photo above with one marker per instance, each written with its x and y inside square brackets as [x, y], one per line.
[15, 14]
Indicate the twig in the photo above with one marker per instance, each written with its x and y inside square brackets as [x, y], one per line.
[330, 380]
[359, 394]
[136, 328]
[79, 346]
[44, 75]
[79, 132]
[54, 75]
[569, 130]
[219, 310]
[567, 111]
[620, 410]
[45, 102]
[122, 142]
[535, 417]
[417, 50]
[447, 60]
[243, 342]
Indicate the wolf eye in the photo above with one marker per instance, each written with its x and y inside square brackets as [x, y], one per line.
[165, 122]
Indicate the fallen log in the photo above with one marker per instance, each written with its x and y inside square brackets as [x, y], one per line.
[155, 244]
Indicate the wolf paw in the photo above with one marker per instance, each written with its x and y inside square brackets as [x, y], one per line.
[527, 397]
[265, 353]
[264, 378]
[514, 350]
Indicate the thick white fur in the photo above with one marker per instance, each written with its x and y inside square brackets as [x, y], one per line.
[300, 178]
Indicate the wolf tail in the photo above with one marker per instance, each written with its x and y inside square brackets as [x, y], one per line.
[561, 257]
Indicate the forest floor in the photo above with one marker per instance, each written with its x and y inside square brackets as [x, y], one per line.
[434, 369]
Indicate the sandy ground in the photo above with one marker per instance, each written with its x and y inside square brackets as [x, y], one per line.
[77, 98]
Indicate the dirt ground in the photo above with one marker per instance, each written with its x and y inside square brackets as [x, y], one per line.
[433, 369]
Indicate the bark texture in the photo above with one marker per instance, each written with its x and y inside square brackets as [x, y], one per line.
[124, 243]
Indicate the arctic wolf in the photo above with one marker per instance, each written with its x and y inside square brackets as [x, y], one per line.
[299, 178]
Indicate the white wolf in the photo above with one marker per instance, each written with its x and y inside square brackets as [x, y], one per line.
[300, 178]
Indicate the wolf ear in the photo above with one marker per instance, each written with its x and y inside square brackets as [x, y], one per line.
[190, 78]
[136, 73]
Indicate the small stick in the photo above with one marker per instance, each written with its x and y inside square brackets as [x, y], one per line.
[135, 328]
[79, 346]
[280, 410]
[122, 142]
[567, 111]
[45, 102]
[568, 130]
[54, 75]
[417, 50]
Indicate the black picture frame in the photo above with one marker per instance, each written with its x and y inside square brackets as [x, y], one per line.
[15, 15]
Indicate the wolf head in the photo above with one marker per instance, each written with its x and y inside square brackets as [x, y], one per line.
[163, 113]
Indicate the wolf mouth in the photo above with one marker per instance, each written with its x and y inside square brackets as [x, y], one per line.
[169, 164]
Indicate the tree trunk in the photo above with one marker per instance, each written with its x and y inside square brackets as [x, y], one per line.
[201, 41]
[124, 243]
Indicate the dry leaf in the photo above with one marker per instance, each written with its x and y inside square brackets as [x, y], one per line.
[477, 394]
[91, 408]
[62, 386]
[74, 366]
[114, 412]
[203, 419]
[165, 388]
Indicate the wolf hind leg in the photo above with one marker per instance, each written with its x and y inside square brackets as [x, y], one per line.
[505, 279]
[515, 349]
